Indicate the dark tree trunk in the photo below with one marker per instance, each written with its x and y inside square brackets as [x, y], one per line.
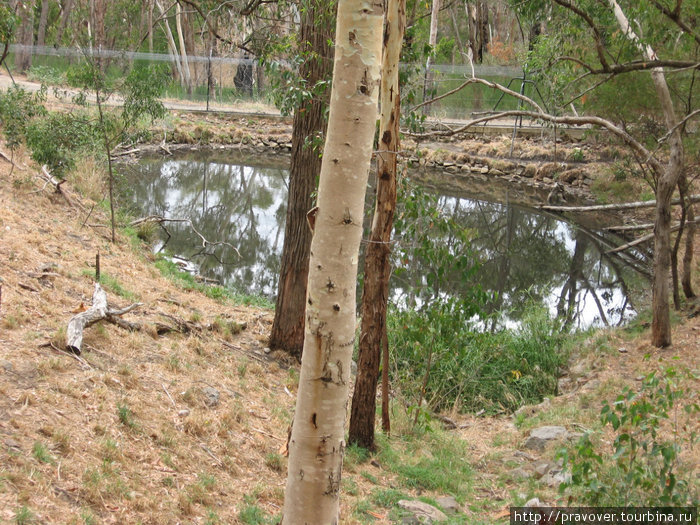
[43, 19]
[309, 121]
[65, 16]
[25, 36]
[691, 228]
[375, 293]
[478, 28]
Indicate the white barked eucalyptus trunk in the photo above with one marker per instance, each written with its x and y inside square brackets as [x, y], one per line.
[317, 442]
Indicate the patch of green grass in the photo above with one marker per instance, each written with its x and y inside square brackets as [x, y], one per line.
[360, 511]
[436, 462]
[112, 284]
[388, 498]
[187, 281]
[24, 516]
[354, 456]
[349, 486]
[252, 514]
[88, 517]
[41, 453]
[200, 492]
[126, 416]
[369, 477]
[274, 462]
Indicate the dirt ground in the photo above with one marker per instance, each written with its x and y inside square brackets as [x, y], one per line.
[182, 427]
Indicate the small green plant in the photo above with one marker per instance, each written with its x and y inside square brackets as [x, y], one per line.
[88, 517]
[274, 462]
[126, 416]
[24, 516]
[41, 453]
[645, 468]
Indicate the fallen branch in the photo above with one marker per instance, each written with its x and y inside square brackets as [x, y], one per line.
[98, 311]
[124, 153]
[646, 238]
[623, 206]
[158, 219]
[50, 179]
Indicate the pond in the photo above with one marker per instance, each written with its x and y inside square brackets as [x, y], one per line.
[524, 255]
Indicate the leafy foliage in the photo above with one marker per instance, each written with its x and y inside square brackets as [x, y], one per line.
[645, 470]
[17, 109]
[58, 140]
[435, 331]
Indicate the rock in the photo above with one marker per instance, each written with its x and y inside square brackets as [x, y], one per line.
[11, 443]
[484, 170]
[410, 520]
[211, 396]
[578, 369]
[7, 366]
[542, 467]
[353, 367]
[448, 504]
[520, 473]
[555, 478]
[423, 510]
[530, 410]
[183, 413]
[564, 385]
[534, 502]
[541, 437]
[523, 455]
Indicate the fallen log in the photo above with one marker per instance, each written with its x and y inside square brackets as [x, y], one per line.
[98, 311]
[645, 238]
[608, 207]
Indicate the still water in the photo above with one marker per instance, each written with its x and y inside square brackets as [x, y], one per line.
[524, 255]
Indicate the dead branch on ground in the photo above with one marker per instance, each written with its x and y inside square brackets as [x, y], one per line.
[98, 311]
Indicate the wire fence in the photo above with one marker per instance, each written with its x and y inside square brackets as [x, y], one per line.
[229, 81]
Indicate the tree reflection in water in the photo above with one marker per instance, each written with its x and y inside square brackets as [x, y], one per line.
[524, 255]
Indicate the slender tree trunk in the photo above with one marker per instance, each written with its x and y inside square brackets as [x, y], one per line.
[661, 321]
[25, 36]
[43, 19]
[309, 122]
[183, 50]
[691, 228]
[375, 294]
[67, 6]
[98, 24]
[150, 26]
[171, 43]
[432, 41]
[317, 444]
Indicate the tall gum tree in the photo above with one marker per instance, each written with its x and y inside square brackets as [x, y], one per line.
[375, 293]
[317, 444]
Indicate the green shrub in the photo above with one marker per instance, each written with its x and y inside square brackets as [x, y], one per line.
[472, 370]
[47, 75]
[60, 138]
[644, 468]
[17, 108]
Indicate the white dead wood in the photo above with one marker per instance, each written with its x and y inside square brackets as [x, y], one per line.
[613, 207]
[98, 311]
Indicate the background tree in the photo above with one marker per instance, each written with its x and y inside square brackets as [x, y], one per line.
[588, 57]
[377, 268]
[315, 36]
[317, 440]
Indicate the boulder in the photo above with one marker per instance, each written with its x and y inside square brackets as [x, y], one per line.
[423, 511]
[541, 437]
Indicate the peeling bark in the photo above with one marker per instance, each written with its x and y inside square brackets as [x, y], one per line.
[317, 442]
